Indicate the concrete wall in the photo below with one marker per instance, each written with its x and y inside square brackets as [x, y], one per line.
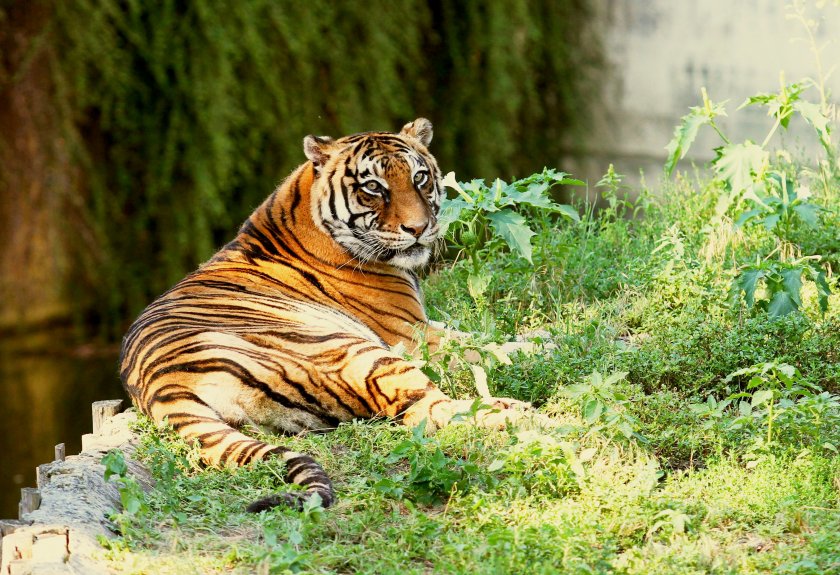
[662, 51]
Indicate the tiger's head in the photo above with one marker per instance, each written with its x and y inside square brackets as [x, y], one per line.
[377, 194]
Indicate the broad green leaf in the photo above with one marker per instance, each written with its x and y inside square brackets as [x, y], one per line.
[823, 289]
[552, 175]
[536, 195]
[808, 213]
[450, 212]
[592, 410]
[626, 429]
[513, 229]
[114, 463]
[431, 373]
[781, 304]
[684, 135]
[744, 408]
[130, 501]
[771, 221]
[747, 282]
[572, 182]
[761, 396]
[477, 284]
[615, 377]
[747, 216]
[567, 211]
[739, 164]
[779, 104]
[575, 391]
[812, 114]
[699, 408]
[792, 282]
[480, 377]
[786, 373]
[755, 381]
[533, 195]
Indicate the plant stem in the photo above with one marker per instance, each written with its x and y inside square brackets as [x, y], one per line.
[722, 137]
[770, 422]
[772, 131]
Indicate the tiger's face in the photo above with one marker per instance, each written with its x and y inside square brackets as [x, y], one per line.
[378, 194]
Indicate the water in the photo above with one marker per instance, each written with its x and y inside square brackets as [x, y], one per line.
[46, 388]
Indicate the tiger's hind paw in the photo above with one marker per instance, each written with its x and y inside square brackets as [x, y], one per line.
[291, 499]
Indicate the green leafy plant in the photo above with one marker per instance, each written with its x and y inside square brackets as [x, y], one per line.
[686, 131]
[777, 402]
[781, 205]
[283, 541]
[603, 407]
[670, 523]
[131, 493]
[744, 167]
[481, 219]
[617, 196]
[782, 283]
[784, 209]
[432, 475]
[539, 464]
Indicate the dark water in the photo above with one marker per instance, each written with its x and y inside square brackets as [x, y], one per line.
[46, 387]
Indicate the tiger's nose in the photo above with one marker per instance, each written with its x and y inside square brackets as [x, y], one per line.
[415, 229]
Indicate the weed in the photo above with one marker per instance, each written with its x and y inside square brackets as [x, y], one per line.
[131, 494]
[603, 407]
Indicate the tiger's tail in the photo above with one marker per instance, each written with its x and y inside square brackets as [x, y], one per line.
[221, 445]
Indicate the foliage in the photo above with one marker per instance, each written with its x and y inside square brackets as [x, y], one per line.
[744, 166]
[432, 476]
[180, 118]
[777, 404]
[603, 407]
[481, 218]
[784, 209]
[783, 285]
[781, 204]
[131, 494]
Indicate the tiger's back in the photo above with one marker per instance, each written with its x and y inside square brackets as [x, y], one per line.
[288, 327]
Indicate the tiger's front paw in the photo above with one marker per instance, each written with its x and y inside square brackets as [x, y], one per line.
[515, 415]
[497, 413]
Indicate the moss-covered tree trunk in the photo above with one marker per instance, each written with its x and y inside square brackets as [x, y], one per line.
[35, 176]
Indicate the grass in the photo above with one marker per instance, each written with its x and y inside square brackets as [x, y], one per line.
[636, 478]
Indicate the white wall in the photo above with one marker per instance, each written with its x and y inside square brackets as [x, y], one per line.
[662, 51]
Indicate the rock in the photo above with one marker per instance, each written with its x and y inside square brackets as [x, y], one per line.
[61, 535]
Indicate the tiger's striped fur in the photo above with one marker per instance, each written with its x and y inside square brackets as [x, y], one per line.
[288, 326]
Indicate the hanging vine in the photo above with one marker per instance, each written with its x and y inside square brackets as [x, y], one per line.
[182, 116]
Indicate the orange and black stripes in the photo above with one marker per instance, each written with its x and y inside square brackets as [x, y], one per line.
[287, 327]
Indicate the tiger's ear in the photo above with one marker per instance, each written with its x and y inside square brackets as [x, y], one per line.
[420, 129]
[317, 149]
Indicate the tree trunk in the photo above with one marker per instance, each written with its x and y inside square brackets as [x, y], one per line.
[35, 174]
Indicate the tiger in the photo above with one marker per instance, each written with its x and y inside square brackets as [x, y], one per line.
[291, 326]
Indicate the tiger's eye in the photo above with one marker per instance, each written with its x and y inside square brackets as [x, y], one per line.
[373, 187]
[420, 178]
